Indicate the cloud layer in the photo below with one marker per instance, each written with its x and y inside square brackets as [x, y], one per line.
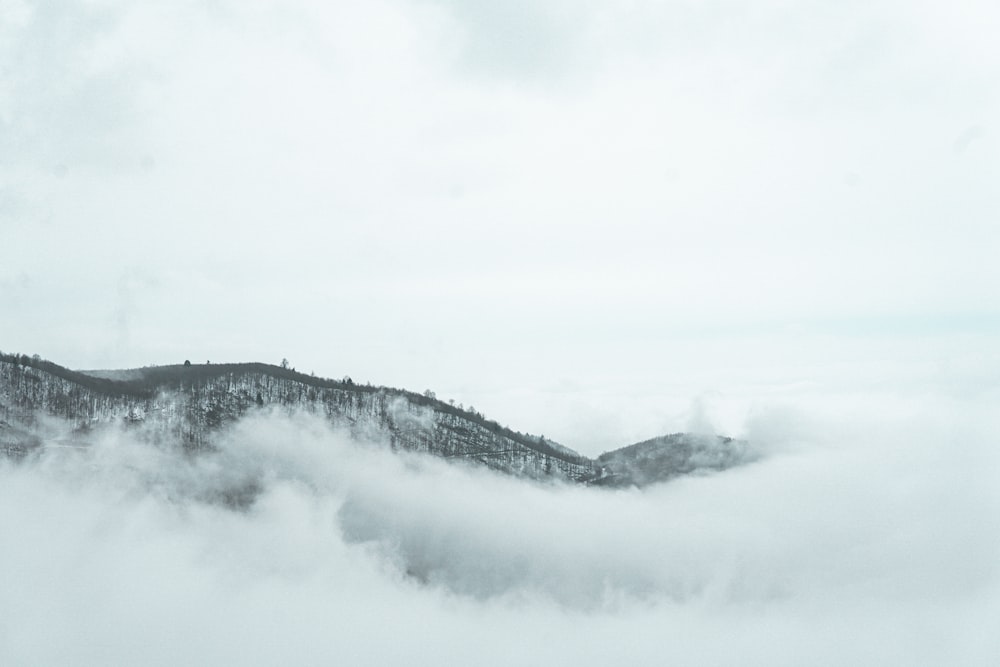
[866, 543]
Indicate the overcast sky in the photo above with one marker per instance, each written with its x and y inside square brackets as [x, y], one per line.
[595, 220]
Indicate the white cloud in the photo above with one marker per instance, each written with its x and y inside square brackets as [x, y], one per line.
[844, 544]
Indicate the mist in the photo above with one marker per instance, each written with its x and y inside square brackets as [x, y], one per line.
[867, 540]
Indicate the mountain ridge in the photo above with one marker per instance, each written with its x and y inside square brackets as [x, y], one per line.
[191, 402]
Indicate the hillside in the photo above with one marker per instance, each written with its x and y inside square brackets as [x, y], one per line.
[41, 401]
[669, 456]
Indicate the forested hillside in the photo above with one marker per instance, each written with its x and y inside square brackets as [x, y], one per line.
[190, 402]
[42, 402]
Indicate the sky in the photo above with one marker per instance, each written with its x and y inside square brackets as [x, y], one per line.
[595, 221]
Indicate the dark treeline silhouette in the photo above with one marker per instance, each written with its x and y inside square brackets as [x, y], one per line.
[147, 382]
[101, 385]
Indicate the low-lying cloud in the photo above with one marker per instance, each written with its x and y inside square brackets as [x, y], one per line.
[293, 544]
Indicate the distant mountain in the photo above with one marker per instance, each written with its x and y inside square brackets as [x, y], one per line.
[669, 456]
[191, 402]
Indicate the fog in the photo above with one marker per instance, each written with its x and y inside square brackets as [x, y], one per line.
[861, 540]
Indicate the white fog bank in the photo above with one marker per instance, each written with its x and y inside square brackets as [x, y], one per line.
[864, 541]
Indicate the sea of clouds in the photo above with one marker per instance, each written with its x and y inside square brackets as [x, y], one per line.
[866, 537]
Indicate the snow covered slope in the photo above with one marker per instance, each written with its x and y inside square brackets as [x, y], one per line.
[42, 403]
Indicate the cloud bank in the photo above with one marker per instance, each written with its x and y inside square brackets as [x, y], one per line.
[867, 543]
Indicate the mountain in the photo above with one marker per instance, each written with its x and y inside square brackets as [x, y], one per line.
[42, 403]
[669, 456]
